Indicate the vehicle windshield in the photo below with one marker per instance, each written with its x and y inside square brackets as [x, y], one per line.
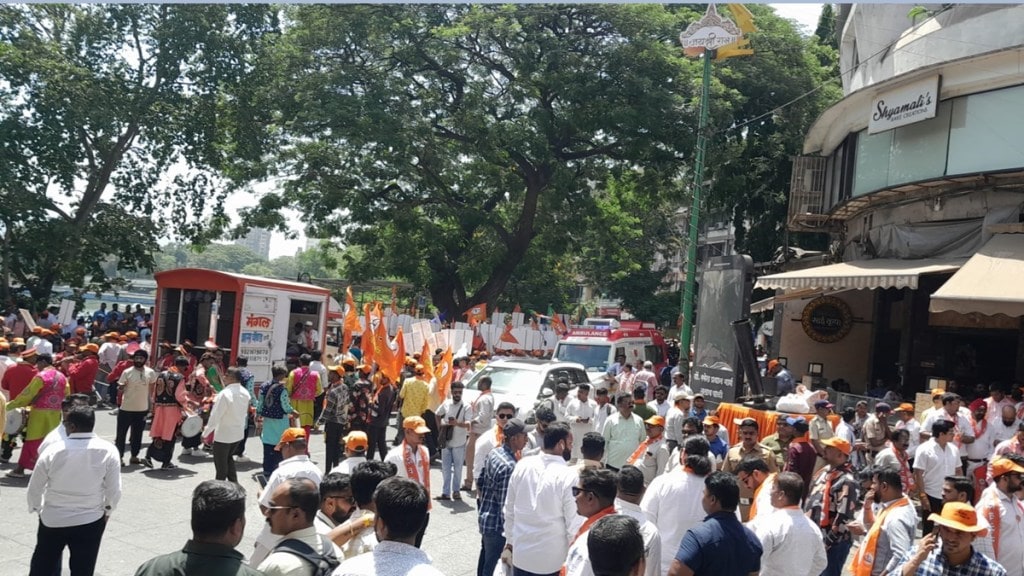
[504, 379]
[592, 356]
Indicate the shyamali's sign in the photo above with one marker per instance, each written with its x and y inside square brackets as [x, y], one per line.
[827, 319]
[907, 104]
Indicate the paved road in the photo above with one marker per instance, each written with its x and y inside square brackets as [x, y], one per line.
[153, 516]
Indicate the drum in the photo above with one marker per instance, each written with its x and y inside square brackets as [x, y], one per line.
[192, 426]
[16, 420]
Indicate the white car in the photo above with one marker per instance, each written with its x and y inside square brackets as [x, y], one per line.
[524, 382]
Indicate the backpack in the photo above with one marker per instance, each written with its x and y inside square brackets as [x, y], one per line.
[323, 564]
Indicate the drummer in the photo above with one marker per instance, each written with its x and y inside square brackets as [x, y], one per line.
[196, 398]
[169, 400]
[44, 393]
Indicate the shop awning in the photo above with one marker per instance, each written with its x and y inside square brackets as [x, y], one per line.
[769, 303]
[881, 273]
[990, 283]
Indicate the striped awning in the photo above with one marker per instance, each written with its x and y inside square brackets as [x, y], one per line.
[881, 273]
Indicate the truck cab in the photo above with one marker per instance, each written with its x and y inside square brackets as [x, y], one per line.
[596, 347]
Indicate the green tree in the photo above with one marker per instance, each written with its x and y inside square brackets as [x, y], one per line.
[445, 140]
[97, 104]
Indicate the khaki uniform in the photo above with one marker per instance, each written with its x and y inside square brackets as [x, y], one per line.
[732, 462]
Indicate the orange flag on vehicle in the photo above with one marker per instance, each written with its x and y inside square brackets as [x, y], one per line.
[443, 373]
[427, 358]
[476, 314]
[367, 341]
[351, 324]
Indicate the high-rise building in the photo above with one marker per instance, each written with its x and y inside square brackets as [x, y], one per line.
[257, 240]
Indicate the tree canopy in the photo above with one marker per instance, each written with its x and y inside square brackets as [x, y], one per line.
[98, 103]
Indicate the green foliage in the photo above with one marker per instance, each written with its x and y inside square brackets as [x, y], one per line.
[97, 104]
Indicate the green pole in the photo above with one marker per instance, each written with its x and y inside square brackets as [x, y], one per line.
[686, 329]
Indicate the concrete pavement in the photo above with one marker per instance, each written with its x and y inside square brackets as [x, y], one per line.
[153, 515]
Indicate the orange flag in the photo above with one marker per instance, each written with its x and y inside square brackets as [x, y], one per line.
[443, 373]
[351, 324]
[557, 325]
[367, 341]
[476, 314]
[426, 358]
[399, 362]
[382, 351]
[507, 336]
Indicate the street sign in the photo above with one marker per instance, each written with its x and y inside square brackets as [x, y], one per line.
[712, 31]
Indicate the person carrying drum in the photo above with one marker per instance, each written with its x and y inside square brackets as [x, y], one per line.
[44, 394]
[169, 400]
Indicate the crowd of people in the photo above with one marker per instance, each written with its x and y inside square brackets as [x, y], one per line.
[629, 461]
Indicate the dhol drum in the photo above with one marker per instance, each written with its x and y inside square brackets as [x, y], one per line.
[192, 426]
[17, 418]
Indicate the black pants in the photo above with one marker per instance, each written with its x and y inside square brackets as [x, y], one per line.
[271, 459]
[431, 439]
[333, 433]
[83, 542]
[160, 450]
[318, 407]
[240, 450]
[136, 421]
[423, 530]
[377, 436]
[223, 463]
[936, 508]
[8, 444]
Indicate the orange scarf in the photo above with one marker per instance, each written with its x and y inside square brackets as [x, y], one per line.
[905, 474]
[990, 509]
[865, 558]
[826, 501]
[974, 427]
[639, 452]
[753, 502]
[499, 434]
[586, 526]
[423, 475]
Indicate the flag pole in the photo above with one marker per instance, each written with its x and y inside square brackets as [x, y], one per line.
[686, 330]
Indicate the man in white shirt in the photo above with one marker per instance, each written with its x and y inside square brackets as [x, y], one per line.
[661, 403]
[996, 401]
[1000, 506]
[60, 433]
[580, 414]
[295, 464]
[453, 421]
[74, 487]
[227, 422]
[623, 432]
[603, 408]
[1005, 427]
[936, 459]
[412, 459]
[336, 503]
[962, 432]
[674, 420]
[595, 499]
[890, 522]
[365, 480]
[540, 510]
[483, 413]
[673, 500]
[291, 512]
[679, 387]
[356, 444]
[905, 413]
[401, 510]
[791, 543]
[630, 483]
[978, 452]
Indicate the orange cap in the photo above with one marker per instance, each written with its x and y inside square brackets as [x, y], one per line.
[959, 516]
[90, 347]
[356, 440]
[709, 420]
[905, 407]
[290, 435]
[416, 424]
[1004, 466]
[937, 392]
[838, 443]
[655, 421]
[31, 352]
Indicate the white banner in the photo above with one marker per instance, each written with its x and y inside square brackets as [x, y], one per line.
[907, 104]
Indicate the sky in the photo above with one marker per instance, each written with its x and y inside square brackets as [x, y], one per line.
[806, 16]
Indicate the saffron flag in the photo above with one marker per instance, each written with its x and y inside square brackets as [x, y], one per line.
[367, 342]
[556, 322]
[741, 47]
[427, 358]
[443, 373]
[382, 352]
[399, 360]
[507, 336]
[476, 314]
[351, 324]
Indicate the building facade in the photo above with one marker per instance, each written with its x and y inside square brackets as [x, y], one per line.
[917, 176]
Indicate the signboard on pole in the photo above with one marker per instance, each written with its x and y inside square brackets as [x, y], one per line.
[711, 32]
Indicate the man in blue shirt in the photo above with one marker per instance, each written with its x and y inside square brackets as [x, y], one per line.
[718, 446]
[721, 545]
[493, 486]
[783, 378]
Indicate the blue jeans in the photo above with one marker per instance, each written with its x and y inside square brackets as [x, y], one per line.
[451, 469]
[490, 552]
[836, 558]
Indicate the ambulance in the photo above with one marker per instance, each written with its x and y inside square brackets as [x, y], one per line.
[598, 342]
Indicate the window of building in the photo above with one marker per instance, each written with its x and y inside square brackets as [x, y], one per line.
[987, 132]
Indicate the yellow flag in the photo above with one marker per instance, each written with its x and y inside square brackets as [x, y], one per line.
[745, 21]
